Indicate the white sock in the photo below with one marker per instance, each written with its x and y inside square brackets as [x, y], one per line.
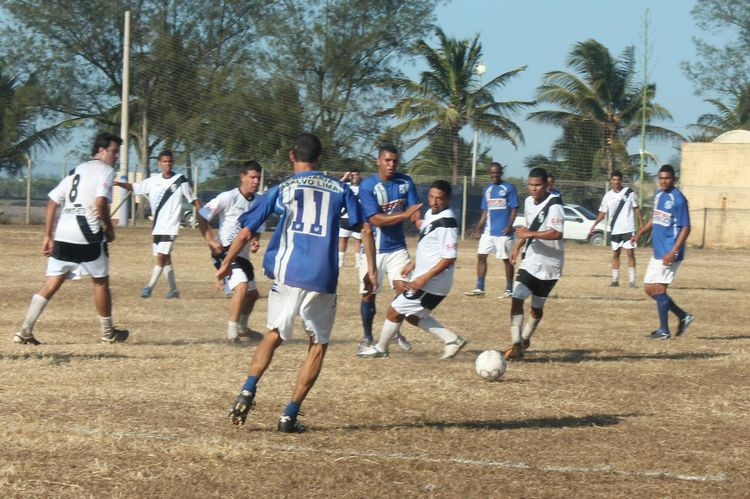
[231, 330]
[357, 259]
[530, 327]
[242, 323]
[516, 321]
[631, 274]
[169, 270]
[615, 275]
[341, 258]
[154, 276]
[105, 325]
[390, 329]
[430, 324]
[36, 307]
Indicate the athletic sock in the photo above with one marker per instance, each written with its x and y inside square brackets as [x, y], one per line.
[154, 276]
[242, 323]
[390, 329]
[367, 311]
[509, 286]
[169, 270]
[232, 330]
[516, 321]
[431, 325]
[105, 324]
[292, 409]
[341, 258]
[480, 283]
[675, 309]
[529, 328]
[250, 384]
[615, 275]
[36, 307]
[631, 274]
[662, 306]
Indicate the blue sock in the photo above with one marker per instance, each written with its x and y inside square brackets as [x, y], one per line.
[509, 286]
[292, 409]
[250, 384]
[367, 311]
[480, 283]
[675, 309]
[662, 305]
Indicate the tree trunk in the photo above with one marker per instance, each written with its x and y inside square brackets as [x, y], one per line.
[144, 140]
[455, 165]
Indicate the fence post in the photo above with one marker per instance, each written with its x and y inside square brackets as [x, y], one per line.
[463, 209]
[703, 236]
[28, 190]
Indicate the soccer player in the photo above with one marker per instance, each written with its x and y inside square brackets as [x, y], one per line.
[229, 206]
[353, 179]
[165, 192]
[388, 198]
[302, 258]
[620, 204]
[551, 186]
[79, 246]
[541, 244]
[499, 208]
[670, 222]
[433, 270]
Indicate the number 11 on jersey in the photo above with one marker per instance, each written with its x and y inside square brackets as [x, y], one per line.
[311, 211]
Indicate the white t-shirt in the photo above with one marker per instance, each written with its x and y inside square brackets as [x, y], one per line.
[77, 194]
[625, 222]
[438, 239]
[544, 259]
[169, 217]
[229, 206]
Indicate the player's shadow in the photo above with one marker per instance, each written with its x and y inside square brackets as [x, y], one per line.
[725, 338]
[701, 288]
[62, 358]
[601, 298]
[573, 356]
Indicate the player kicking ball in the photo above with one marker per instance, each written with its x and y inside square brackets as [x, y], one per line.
[543, 255]
[433, 277]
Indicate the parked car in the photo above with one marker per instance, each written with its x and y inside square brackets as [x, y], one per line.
[578, 222]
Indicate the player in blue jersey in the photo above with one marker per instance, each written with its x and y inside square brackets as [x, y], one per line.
[302, 259]
[499, 208]
[388, 198]
[670, 226]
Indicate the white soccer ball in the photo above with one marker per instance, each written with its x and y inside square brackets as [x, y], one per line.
[491, 365]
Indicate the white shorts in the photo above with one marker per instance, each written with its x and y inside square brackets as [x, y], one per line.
[68, 261]
[658, 273]
[349, 233]
[242, 271]
[500, 245]
[416, 303]
[622, 241]
[317, 311]
[387, 263]
[163, 244]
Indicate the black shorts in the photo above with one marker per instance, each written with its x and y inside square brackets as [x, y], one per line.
[239, 263]
[161, 238]
[344, 224]
[622, 238]
[538, 287]
[78, 253]
[427, 300]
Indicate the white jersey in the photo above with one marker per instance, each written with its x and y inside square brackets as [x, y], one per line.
[355, 190]
[167, 220]
[625, 222]
[79, 220]
[229, 206]
[544, 259]
[438, 239]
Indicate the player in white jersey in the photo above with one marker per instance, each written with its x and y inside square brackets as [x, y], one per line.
[621, 206]
[165, 192]
[432, 279]
[228, 206]
[543, 253]
[352, 178]
[79, 245]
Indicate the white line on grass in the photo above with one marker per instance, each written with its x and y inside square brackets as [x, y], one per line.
[344, 453]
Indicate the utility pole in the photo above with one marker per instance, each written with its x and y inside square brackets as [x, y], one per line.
[644, 102]
[480, 69]
[124, 117]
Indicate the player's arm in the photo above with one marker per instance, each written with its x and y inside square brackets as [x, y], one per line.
[102, 209]
[641, 231]
[639, 214]
[678, 244]
[545, 235]
[255, 243]
[419, 282]
[480, 225]
[520, 241]
[49, 222]
[511, 219]
[243, 237]
[599, 217]
[384, 220]
[368, 242]
[347, 176]
[125, 185]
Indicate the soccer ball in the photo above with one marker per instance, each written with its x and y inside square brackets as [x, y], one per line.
[491, 365]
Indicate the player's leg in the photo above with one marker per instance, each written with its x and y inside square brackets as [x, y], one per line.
[485, 247]
[503, 253]
[245, 294]
[452, 342]
[248, 304]
[343, 241]
[166, 263]
[657, 280]
[615, 264]
[630, 251]
[367, 307]
[158, 267]
[393, 264]
[37, 305]
[357, 236]
[103, 300]
[391, 326]
[535, 316]
[239, 293]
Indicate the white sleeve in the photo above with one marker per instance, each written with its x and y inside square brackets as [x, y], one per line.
[448, 242]
[104, 184]
[603, 204]
[141, 188]
[214, 207]
[633, 200]
[60, 191]
[187, 192]
[556, 218]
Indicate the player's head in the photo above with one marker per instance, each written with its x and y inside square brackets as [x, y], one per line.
[306, 149]
[166, 161]
[550, 181]
[106, 148]
[616, 180]
[537, 183]
[666, 177]
[387, 161]
[439, 195]
[250, 177]
[354, 176]
[496, 172]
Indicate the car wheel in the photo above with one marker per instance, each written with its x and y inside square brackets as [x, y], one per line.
[187, 218]
[596, 239]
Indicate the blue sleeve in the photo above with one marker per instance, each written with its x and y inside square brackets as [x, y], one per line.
[512, 197]
[370, 205]
[483, 205]
[260, 211]
[411, 194]
[353, 207]
[682, 214]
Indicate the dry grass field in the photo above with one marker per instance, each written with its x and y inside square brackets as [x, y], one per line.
[595, 410]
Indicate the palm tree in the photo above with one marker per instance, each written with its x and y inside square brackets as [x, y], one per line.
[448, 97]
[601, 98]
[734, 116]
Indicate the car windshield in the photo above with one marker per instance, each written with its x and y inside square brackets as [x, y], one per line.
[586, 213]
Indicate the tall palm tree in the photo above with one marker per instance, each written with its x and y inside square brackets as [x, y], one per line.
[732, 116]
[448, 97]
[601, 97]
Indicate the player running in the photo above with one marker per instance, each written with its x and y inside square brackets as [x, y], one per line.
[229, 206]
[353, 179]
[620, 204]
[433, 270]
[302, 258]
[79, 246]
[541, 244]
[165, 192]
[670, 222]
[499, 208]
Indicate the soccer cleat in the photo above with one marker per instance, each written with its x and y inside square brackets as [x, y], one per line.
[288, 424]
[115, 336]
[525, 344]
[684, 323]
[242, 405]
[633, 285]
[659, 335]
[146, 293]
[614, 284]
[24, 339]
[372, 353]
[403, 343]
[515, 352]
[251, 335]
[173, 293]
[475, 292]
[453, 347]
[364, 345]
[506, 294]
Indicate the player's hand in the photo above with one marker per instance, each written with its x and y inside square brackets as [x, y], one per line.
[254, 245]
[110, 233]
[634, 239]
[223, 271]
[220, 285]
[513, 256]
[668, 259]
[523, 232]
[216, 247]
[417, 283]
[477, 233]
[411, 210]
[370, 280]
[47, 246]
[408, 268]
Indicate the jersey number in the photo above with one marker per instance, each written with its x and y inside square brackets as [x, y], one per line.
[311, 211]
[74, 189]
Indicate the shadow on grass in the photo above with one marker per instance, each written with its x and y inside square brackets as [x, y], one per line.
[62, 358]
[602, 298]
[701, 288]
[726, 338]
[578, 356]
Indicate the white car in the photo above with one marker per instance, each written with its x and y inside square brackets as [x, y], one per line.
[578, 222]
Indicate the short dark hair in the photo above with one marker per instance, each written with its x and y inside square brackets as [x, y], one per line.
[353, 170]
[165, 152]
[307, 148]
[616, 173]
[667, 168]
[442, 185]
[539, 172]
[249, 166]
[387, 148]
[103, 140]
[495, 164]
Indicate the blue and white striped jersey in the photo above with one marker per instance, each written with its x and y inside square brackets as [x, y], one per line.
[670, 215]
